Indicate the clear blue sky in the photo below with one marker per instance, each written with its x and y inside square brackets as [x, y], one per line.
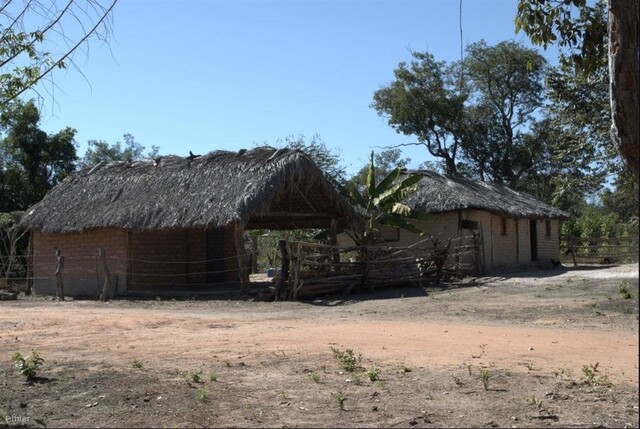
[202, 75]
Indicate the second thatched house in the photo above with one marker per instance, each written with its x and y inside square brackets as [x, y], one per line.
[514, 229]
[175, 222]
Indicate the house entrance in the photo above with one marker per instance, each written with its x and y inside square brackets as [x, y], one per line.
[533, 237]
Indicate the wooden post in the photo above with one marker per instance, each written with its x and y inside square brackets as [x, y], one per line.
[284, 268]
[59, 271]
[243, 272]
[254, 254]
[30, 265]
[107, 289]
[333, 239]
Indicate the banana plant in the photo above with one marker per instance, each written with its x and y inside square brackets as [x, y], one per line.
[382, 204]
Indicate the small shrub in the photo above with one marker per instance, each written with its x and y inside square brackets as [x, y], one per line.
[194, 377]
[315, 377]
[373, 373]
[624, 292]
[213, 376]
[137, 364]
[484, 377]
[27, 365]
[202, 394]
[591, 378]
[533, 401]
[340, 399]
[347, 359]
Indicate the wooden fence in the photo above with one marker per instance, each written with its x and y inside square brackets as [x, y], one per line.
[599, 249]
[309, 269]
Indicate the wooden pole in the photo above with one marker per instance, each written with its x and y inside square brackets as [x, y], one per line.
[243, 272]
[571, 250]
[30, 265]
[284, 269]
[107, 290]
[59, 271]
[333, 239]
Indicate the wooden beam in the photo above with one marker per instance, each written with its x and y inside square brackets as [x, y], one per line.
[243, 272]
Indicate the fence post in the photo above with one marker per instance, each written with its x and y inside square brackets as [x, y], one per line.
[284, 268]
[107, 290]
[59, 271]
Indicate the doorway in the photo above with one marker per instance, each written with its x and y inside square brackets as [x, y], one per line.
[533, 238]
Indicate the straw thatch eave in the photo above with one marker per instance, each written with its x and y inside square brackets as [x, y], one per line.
[214, 190]
[439, 194]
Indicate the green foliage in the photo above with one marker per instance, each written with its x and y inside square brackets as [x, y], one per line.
[31, 161]
[425, 100]
[194, 376]
[137, 364]
[37, 38]
[575, 25]
[315, 377]
[384, 163]
[347, 359]
[202, 394]
[381, 202]
[484, 377]
[624, 292]
[27, 365]
[340, 399]
[213, 376]
[326, 159]
[373, 373]
[591, 377]
[100, 150]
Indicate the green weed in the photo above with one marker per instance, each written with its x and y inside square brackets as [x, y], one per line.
[484, 377]
[340, 399]
[373, 373]
[624, 292]
[213, 376]
[27, 365]
[137, 364]
[347, 359]
[202, 394]
[315, 377]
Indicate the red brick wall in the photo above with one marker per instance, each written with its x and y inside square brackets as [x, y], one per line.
[82, 274]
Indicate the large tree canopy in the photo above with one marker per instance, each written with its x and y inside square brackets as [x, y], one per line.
[31, 161]
[39, 36]
[580, 27]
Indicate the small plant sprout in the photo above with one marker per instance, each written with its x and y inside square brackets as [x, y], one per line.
[213, 376]
[405, 370]
[533, 401]
[382, 384]
[315, 377]
[624, 292]
[27, 365]
[194, 377]
[202, 394]
[484, 377]
[137, 364]
[591, 378]
[373, 373]
[340, 399]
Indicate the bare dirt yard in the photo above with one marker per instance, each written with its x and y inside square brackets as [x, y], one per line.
[529, 349]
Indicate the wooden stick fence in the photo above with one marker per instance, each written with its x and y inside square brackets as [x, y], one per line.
[316, 269]
[600, 249]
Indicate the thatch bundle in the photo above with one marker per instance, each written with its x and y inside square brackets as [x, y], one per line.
[214, 190]
[438, 194]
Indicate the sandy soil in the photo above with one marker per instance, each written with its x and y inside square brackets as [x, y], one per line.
[533, 337]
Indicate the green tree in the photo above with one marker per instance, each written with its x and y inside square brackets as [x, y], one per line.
[130, 149]
[381, 203]
[329, 161]
[37, 37]
[588, 35]
[425, 100]
[32, 161]
[506, 88]
[623, 199]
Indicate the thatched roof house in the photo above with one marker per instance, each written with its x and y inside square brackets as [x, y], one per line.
[440, 194]
[178, 220]
[514, 229]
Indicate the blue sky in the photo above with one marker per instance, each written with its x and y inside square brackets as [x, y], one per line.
[203, 75]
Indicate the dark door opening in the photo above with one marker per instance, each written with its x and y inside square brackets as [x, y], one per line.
[215, 255]
[533, 237]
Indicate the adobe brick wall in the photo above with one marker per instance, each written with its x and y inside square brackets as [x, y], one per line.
[548, 245]
[82, 274]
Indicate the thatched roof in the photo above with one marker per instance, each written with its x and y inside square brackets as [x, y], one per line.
[263, 188]
[438, 194]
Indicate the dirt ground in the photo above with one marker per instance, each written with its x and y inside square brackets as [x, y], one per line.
[529, 349]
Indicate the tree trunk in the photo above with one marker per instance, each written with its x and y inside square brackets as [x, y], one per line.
[623, 72]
